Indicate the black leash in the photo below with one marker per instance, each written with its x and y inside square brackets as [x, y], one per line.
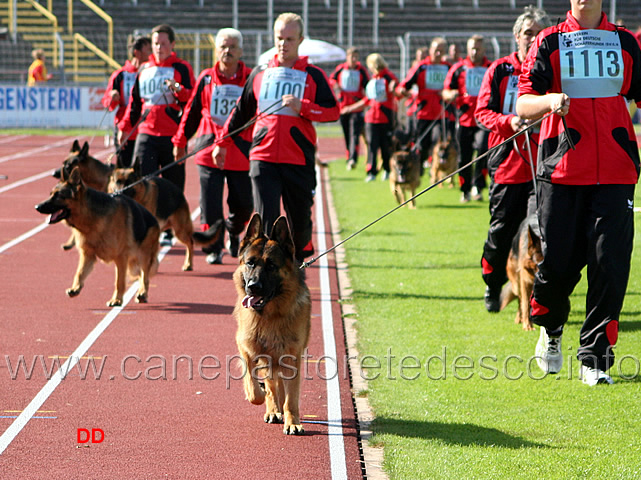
[253, 120]
[510, 139]
[123, 141]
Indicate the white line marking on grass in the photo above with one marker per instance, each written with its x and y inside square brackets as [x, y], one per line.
[41, 397]
[334, 415]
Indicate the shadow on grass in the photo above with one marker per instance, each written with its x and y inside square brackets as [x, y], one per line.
[408, 296]
[462, 434]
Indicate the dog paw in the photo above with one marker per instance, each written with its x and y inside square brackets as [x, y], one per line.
[73, 292]
[273, 418]
[66, 246]
[293, 430]
[114, 302]
[187, 268]
[141, 298]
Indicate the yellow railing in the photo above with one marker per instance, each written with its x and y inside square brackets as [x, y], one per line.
[102, 14]
[79, 39]
[54, 23]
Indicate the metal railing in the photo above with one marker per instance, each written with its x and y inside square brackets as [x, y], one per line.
[54, 25]
[102, 14]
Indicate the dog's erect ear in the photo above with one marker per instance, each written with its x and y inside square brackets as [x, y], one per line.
[254, 231]
[533, 240]
[84, 152]
[75, 147]
[74, 177]
[280, 234]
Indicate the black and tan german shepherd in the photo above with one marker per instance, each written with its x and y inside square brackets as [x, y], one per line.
[168, 204]
[444, 161]
[405, 170]
[273, 312]
[94, 173]
[522, 265]
[110, 228]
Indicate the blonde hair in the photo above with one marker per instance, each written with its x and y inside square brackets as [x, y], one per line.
[289, 17]
[375, 61]
[37, 54]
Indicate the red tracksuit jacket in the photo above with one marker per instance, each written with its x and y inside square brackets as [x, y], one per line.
[351, 83]
[121, 80]
[150, 93]
[206, 113]
[495, 109]
[430, 78]
[466, 77]
[380, 100]
[597, 80]
[281, 136]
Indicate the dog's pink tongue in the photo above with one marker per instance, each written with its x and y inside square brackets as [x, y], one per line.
[249, 301]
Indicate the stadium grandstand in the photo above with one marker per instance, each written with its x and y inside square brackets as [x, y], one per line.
[85, 41]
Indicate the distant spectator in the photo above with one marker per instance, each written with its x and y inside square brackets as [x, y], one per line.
[38, 69]
[453, 53]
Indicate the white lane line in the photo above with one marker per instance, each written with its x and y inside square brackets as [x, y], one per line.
[24, 181]
[27, 153]
[41, 397]
[12, 138]
[334, 414]
[23, 237]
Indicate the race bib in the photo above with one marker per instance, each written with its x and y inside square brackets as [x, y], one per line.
[376, 90]
[511, 93]
[128, 80]
[152, 85]
[435, 76]
[473, 80]
[591, 63]
[350, 81]
[279, 81]
[223, 99]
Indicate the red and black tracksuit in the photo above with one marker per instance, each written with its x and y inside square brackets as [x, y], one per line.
[466, 78]
[512, 189]
[351, 84]
[428, 108]
[122, 80]
[283, 151]
[204, 116]
[380, 119]
[585, 195]
[151, 95]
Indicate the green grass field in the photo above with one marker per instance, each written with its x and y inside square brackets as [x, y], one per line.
[455, 390]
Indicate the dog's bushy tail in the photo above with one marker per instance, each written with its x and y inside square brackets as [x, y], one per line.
[507, 295]
[211, 235]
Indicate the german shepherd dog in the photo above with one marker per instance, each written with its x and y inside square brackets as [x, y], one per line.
[113, 229]
[522, 265]
[168, 204]
[444, 160]
[94, 173]
[405, 170]
[273, 312]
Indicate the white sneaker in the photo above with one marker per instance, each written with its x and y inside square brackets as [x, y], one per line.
[593, 376]
[548, 353]
[370, 177]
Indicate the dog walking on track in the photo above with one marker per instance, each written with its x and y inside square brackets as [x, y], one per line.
[273, 311]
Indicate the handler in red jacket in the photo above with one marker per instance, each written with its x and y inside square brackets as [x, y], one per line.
[288, 94]
[216, 93]
[583, 69]
[162, 86]
[118, 93]
[512, 190]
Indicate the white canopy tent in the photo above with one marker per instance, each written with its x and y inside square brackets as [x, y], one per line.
[318, 51]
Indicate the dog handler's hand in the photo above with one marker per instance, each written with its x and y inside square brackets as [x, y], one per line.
[292, 102]
[559, 100]
[179, 152]
[218, 156]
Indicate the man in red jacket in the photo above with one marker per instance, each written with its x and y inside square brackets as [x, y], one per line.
[462, 84]
[215, 95]
[512, 190]
[583, 69]
[348, 81]
[163, 85]
[119, 90]
[287, 94]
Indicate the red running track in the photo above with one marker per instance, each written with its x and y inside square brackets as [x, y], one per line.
[164, 400]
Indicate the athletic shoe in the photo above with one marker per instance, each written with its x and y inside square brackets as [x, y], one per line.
[215, 258]
[593, 376]
[465, 197]
[492, 299]
[385, 176]
[548, 352]
[351, 164]
[370, 177]
[232, 245]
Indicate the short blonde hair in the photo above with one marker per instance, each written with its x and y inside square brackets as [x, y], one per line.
[289, 17]
[37, 54]
[375, 61]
